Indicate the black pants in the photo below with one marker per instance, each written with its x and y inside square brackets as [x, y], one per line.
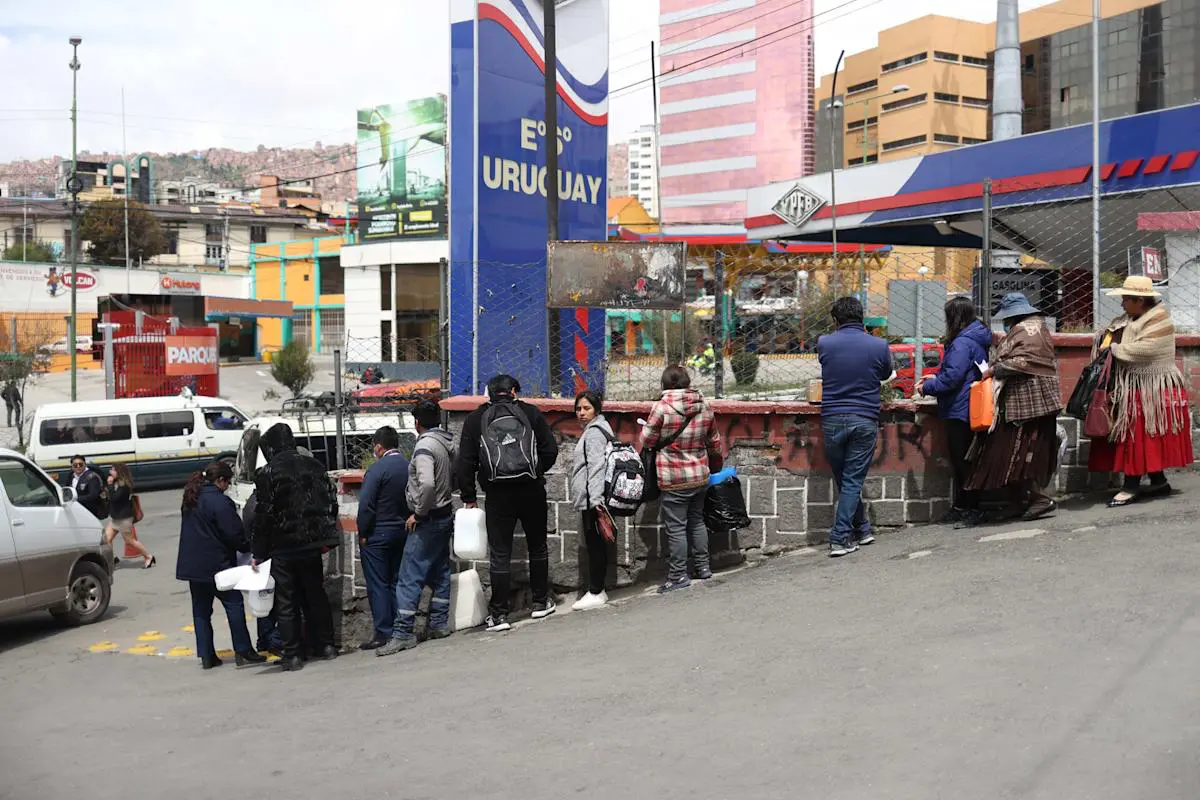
[503, 508]
[597, 552]
[958, 439]
[300, 586]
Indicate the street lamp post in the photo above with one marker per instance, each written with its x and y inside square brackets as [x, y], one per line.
[899, 88]
[73, 186]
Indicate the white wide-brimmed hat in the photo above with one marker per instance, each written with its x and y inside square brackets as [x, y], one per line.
[1135, 286]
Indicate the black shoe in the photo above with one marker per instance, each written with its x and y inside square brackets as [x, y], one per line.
[374, 644]
[704, 575]
[1161, 490]
[397, 646]
[209, 663]
[497, 623]
[438, 633]
[1039, 510]
[251, 657]
[968, 519]
[293, 664]
[329, 653]
[543, 610]
[954, 515]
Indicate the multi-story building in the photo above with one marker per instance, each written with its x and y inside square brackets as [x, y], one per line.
[643, 175]
[926, 86]
[735, 105]
[618, 170]
[104, 180]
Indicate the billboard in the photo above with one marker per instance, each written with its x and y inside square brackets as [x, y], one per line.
[625, 275]
[191, 355]
[402, 170]
[498, 203]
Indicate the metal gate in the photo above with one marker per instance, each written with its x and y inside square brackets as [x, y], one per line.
[333, 329]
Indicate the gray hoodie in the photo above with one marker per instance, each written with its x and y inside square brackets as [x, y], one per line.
[431, 473]
[587, 469]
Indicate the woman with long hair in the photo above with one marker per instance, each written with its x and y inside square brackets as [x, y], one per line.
[121, 512]
[210, 537]
[1152, 426]
[1020, 453]
[967, 342]
[587, 490]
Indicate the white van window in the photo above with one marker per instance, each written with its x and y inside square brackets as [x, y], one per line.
[25, 486]
[160, 425]
[79, 430]
[223, 419]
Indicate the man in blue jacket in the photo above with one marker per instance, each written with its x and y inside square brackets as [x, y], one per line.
[382, 514]
[854, 365]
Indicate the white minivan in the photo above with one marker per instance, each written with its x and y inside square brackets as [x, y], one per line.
[162, 440]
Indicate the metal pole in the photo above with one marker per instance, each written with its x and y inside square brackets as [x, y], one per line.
[444, 324]
[339, 407]
[919, 349]
[75, 42]
[719, 374]
[985, 257]
[657, 134]
[550, 86]
[24, 230]
[125, 157]
[1095, 162]
[834, 135]
[110, 376]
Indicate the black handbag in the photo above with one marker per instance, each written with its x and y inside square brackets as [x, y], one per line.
[1089, 381]
[650, 460]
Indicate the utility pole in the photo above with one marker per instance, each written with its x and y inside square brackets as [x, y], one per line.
[835, 134]
[74, 185]
[1096, 162]
[550, 85]
[125, 158]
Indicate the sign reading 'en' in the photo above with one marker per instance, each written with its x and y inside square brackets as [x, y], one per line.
[798, 205]
[192, 355]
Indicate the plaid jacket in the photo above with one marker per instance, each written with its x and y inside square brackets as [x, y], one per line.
[687, 462]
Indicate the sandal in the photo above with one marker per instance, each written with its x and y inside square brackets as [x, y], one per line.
[1115, 503]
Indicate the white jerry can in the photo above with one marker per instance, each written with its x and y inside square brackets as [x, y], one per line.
[470, 535]
[468, 607]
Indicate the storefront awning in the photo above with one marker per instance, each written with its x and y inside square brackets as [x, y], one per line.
[218, 308]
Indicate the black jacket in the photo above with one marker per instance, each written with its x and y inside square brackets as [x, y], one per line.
[297, 510]
[468, 450]
[210, 537]
[120, 502]
[90, 493]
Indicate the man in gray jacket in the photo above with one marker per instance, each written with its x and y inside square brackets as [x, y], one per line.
[431, 526]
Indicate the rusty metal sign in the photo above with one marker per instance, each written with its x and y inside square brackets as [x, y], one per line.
[635, 275]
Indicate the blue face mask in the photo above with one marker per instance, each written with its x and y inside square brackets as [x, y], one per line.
[1008, 323]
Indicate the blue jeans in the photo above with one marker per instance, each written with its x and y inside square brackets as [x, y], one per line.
[426, 563]
[203, 595]
[849, 448]
[381, 569]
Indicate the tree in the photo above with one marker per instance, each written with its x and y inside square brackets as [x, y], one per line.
[292, 367]
[103, 225]
[27, 359]
[29, 251]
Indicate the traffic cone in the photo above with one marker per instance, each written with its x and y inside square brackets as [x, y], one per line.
[130, 552]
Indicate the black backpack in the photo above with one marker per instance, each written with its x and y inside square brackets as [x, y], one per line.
[507, 444]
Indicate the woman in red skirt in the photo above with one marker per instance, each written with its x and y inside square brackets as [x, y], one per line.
[1152, 427]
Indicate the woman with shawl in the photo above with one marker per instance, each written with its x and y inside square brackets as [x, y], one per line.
[1152, 427]
[1020, 452]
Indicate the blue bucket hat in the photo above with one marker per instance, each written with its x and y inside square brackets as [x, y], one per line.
[1014, 304]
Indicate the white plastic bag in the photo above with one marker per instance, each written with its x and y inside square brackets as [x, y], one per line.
[228, 578]
[470, 535]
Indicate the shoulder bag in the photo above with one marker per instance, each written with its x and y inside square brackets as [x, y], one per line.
[1098, 423]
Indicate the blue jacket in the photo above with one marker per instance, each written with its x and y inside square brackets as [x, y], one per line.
[853, 366]
[210, 537]
[952, 384]
[382, 506]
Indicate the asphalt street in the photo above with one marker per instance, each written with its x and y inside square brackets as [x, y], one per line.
[1036, 660]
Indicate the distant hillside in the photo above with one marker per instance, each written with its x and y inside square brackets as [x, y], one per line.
[230, 168]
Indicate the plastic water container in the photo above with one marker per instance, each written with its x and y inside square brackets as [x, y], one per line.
[468, 606]
[470, 535]
[261, 601]
[722, 476]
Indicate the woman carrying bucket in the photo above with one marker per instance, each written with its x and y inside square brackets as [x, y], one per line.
[210, 537]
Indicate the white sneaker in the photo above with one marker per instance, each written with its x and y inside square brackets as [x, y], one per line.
[589, 601]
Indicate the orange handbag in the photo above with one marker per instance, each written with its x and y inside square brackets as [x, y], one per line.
[983, 405]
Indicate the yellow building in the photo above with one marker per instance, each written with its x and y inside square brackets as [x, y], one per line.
[924, 87]
[309, 273]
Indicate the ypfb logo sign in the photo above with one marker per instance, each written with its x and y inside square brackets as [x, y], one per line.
[192, 355]
[798, 205]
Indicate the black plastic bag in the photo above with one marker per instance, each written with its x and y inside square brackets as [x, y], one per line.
[1081, 397]
[725, 508]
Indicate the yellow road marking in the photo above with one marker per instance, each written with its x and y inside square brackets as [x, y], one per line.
[180, 652]
[224, 654]
[152, 636]
[188, 629]
[104, 647]
[143, 650]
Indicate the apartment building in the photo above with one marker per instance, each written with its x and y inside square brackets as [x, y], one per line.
[618, 170]
[642, 180]
[926, 86]
[735, 105]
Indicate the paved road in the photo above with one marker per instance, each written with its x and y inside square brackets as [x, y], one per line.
[1042, 662]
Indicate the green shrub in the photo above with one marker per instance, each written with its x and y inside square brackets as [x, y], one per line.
[745, 367]
[292, 367]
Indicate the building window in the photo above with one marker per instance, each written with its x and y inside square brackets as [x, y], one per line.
[212, 254]
[633, 187]
[915, 58]
[898, 144]
[865, 86]
[978, 102]
[385, 291]
[333, 279]
[861, 123]
[915, 100]
[945, 138]
[972, 140]
[942, 55]
[172, 240]
[1070, 49]
[258, 234]
[214, 232]
[943, 97]
[1117, 37]
[975, 62]
[1030, 67]
[1064, 94]
[1118, 82]
[857, 162]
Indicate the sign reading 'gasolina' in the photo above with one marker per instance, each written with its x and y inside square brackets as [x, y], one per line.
[191, 355]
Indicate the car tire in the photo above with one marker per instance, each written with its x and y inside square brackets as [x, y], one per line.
[88, 596]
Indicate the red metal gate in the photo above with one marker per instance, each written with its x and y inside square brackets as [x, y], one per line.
[161, 361]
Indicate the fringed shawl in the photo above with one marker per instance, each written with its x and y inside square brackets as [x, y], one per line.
[1145, 372]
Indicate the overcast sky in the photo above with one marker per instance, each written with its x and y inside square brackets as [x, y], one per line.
[238, 74]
